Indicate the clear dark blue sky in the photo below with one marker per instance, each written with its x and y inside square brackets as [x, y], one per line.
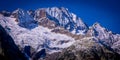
[106, 12]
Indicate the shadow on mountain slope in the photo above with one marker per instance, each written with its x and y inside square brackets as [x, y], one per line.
[8, 49]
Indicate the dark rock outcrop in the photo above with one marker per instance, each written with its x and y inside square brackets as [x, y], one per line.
[41, 54]
[8, 49]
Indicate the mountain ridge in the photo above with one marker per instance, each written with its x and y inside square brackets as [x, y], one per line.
[54, 30]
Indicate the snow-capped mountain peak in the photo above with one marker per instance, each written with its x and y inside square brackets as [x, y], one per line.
[23, 18]
[54, 30]
[98, 31]
[62, 17]
[97, 26]
[103, 34]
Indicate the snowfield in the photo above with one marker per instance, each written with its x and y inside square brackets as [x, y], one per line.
[38, 38]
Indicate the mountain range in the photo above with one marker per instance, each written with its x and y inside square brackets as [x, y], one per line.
[54, 33]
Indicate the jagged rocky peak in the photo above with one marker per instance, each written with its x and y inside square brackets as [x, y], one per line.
[100, 31]
[53, 12]
[58, 12]
[103, 34]
[97, 26]
[17, 12]
[31, 12]
[23, 18]
[62, 17]
[20, 13]
[59, 15]
[94, 29]
[40, 13]
[57, 35]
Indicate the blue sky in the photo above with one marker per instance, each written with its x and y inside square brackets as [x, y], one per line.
[106, 12]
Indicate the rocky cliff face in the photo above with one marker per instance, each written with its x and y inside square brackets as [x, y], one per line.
[88, 49]
[55, 34]
[8, 49]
